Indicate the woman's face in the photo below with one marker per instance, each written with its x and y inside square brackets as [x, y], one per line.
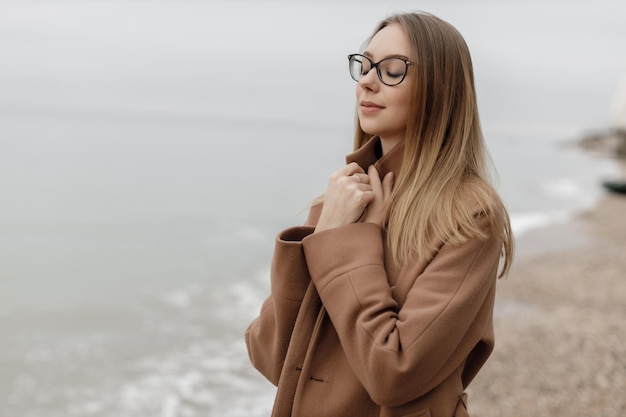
[384, 110]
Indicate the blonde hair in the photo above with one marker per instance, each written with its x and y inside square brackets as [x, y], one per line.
[445, 173]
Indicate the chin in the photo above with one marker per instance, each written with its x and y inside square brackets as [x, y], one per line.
[370, 130]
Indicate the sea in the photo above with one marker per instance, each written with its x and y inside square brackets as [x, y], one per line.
[150, 151]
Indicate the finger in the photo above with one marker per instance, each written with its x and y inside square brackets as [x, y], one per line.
[361, 178]
[374, 178]
[346, 171]
[367, 196]
[354, 179]
[352, 168]
[364, 187]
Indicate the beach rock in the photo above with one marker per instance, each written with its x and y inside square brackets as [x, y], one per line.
[611, 143]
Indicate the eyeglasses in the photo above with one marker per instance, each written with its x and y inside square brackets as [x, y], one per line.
[391, 71]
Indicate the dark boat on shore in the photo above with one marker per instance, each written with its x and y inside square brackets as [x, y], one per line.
[615, 186]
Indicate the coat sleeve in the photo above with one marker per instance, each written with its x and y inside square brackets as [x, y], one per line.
[267, 337]
[399, 354]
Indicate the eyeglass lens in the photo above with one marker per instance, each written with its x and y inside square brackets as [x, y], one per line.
[391, 71]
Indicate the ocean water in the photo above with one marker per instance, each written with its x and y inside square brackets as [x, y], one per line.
[151, 150]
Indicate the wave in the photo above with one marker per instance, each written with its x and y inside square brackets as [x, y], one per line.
[522, 223]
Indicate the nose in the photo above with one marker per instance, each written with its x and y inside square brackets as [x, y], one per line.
[370, 80]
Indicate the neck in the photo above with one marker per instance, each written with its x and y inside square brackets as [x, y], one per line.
[387, 144]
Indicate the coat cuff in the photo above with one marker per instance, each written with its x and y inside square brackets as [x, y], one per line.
[290, 275]
[336, 251]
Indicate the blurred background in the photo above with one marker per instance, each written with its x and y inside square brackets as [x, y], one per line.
[151, 150]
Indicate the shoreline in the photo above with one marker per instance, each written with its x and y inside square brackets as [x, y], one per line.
[559, 322]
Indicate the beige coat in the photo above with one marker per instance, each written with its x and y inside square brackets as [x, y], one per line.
[344, 333]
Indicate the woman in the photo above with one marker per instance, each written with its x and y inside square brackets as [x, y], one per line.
[381, 305]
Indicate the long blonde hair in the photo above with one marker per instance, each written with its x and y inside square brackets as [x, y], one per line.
[445, 172]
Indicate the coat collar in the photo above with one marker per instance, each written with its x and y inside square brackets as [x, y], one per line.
[370, 154]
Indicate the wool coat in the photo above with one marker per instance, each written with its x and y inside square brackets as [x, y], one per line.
[347, 333]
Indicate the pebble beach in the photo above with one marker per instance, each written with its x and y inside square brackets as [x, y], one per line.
[561, 340]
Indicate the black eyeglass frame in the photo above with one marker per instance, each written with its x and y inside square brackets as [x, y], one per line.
[377, 66]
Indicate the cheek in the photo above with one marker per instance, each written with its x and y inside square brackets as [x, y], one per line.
[403, 105]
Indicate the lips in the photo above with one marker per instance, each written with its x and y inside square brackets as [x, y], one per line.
[371, 104]
[370, 107]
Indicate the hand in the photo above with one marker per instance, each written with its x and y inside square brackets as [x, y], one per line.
[349, 192]
[375, 211]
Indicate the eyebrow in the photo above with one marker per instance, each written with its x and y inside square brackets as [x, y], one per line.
[369, 55]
